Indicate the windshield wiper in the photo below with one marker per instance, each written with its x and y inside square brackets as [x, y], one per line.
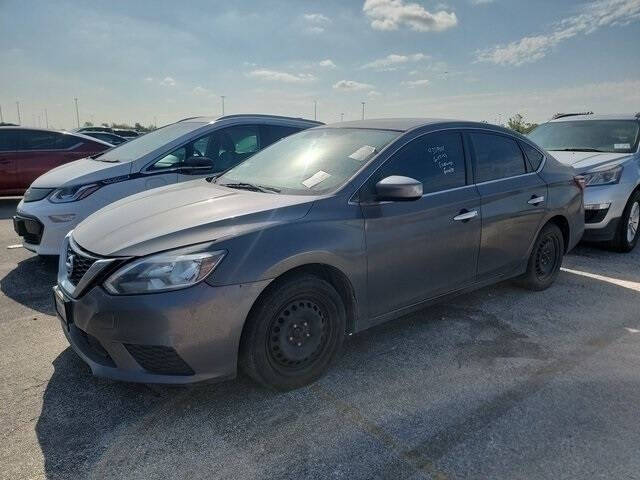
[576, 150]
[252, 187]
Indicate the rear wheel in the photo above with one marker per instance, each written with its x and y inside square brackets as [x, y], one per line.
[627, 235]
[545, 260]
[293, 333]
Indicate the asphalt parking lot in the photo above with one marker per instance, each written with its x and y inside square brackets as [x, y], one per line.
[499, 384]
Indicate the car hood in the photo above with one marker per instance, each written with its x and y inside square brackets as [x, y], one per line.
[584, 161]
[184, 214]
[80, 172]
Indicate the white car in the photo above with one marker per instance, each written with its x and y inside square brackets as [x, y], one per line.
[604, 150]
[192, 148]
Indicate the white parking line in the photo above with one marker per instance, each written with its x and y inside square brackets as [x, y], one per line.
[615, 281]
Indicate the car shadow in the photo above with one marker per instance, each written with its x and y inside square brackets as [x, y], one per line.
[8, 207]
[97, 428]
[30, 283]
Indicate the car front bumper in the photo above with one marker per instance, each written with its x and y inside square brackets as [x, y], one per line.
[601, 223]
[55, 222]
[184, 336]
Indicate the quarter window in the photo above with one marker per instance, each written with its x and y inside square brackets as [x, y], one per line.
[436, 159]
[8, 140]
[496, 157]
[44, 140]
[533, 156]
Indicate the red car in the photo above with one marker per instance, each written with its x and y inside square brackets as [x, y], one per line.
[27, 153]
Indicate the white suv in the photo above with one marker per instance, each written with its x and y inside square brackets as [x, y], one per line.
[604, 150]
[195, 147]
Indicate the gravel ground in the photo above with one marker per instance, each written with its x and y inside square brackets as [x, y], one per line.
[498, 384]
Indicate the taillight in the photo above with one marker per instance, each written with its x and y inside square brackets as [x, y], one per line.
[579, 179]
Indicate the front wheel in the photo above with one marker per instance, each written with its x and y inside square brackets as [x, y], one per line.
[627, 232]
[293, 333]
[545, 260]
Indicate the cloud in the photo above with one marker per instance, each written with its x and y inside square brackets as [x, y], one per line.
[168, 82]
[351, 86]
[327, 63]
[276, 76]
[316, 22]
[392, 14]
[374, 94]
[391, 61]
[423, 82]
[481, 2]
[199, 90]
[595, 15]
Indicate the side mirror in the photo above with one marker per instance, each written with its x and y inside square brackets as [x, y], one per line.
[197, 165]
[398, 188]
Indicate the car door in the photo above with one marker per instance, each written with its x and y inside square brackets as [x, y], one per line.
[424, 248]
[8, 151]
[513, 202]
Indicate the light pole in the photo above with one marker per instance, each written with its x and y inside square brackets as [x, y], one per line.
[342, 117]
[315, 109]
[77, 113]
[222, 97]
[362, 110]
[1, 117]
[46, 117]
[18, 107]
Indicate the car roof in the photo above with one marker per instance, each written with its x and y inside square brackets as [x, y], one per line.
[408, 124]
[591, 116]
[255, 117]
[65, 132]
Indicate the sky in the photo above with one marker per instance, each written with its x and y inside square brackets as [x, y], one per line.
[160, 61]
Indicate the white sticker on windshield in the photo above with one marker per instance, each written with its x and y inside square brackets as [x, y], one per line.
[362, 153]
[621, 146]
[315, 179]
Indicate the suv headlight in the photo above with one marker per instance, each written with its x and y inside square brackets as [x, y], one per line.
[603, 177]
[165, 271]
[73, 194]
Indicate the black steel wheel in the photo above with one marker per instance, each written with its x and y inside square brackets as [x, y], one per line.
[293, 333]
[545, 259]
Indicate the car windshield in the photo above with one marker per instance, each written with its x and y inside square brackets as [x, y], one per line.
[144, 144]
[616, 136]
[311, 162]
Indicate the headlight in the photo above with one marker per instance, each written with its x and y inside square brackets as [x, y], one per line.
[73, 194]
[165, 271]
[603, 177]
[35, 194]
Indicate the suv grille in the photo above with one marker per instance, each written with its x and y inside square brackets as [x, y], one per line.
[80, 263]
[159, 359]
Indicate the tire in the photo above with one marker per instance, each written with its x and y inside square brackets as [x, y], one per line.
[293, 333]
[545, 260]
[624, 241]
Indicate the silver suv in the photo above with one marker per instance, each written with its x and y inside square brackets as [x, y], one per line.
[603, 149]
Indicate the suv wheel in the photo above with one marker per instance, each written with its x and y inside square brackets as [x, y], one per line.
[627, 233]
[293, 333]
[545, 260]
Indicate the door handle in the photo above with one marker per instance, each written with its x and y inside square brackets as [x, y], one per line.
[536, 200]
[465, 215]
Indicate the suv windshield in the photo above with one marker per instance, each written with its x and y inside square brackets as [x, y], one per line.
[311, 162]
[615, 136]
[144, 144]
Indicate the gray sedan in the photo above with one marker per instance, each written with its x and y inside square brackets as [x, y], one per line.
[325, 233]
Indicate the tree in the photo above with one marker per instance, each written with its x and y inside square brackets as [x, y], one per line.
[518, 123]
[88, 124]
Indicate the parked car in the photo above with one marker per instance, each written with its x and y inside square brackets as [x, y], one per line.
[197, 147]
[111, 138]
[27, 153]
[84, 130]
[604, 149]
[325, 233]
[123, 132]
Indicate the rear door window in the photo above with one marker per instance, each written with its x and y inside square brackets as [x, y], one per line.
[44, 140]
[496, 156]
[273, 133]
[8, 140]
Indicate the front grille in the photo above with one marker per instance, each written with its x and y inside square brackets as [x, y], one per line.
[30, 229]
[595, 216]
[159, 359]
[80, 263]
